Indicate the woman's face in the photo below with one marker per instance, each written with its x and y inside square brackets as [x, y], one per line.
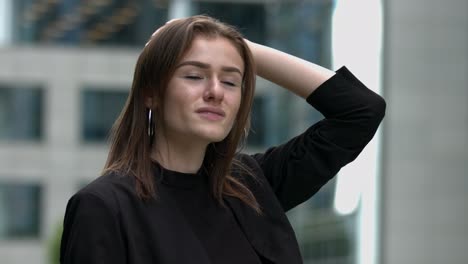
[204, 94]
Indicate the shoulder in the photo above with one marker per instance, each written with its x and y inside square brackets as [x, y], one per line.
[109, 184]
[105, 191]
[245, 164]
[247, 169]
[246, 160]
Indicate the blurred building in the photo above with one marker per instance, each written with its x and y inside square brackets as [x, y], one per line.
[65, 76]
[66, 67]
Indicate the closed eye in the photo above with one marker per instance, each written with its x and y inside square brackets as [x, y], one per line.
[229, 83]
[193, 77]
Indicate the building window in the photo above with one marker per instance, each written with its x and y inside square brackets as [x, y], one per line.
[322, 201]
[257, 133]
[20, 205]
[77, 22]
[20, 112]
[328, 240]
[99, 110]
[249, 18]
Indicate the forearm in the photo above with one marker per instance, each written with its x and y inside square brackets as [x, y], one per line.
[297, 75]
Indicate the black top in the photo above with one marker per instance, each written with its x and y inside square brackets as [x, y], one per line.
[215, 226]
[106, 222]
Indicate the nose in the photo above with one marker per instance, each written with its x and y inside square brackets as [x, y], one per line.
[214, 91]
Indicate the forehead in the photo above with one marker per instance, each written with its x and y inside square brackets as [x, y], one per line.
[216, 51]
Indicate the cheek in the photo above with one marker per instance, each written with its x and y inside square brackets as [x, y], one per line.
[173, 107]
[236, 109]
[178, 97]
[235, 105]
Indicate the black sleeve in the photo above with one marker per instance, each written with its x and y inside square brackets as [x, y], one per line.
[297, 169]
[91, 232]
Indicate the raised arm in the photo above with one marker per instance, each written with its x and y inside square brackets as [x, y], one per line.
[297, 169]
[297, 75]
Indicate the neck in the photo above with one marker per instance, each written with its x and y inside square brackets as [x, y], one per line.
[184, 156]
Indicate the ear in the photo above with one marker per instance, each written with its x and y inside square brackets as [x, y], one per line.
[149, 103]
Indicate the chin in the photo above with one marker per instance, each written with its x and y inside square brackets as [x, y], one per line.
[213, 136]
[215, 139]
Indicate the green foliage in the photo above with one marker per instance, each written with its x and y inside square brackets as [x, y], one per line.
[54, 245]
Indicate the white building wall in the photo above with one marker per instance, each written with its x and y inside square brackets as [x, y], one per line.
[425, 179]
[60, 162]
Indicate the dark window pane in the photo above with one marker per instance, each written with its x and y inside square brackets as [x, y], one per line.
[19, 210]
[20, 112]
[249, 18]
[99, 110]
[257, 131]
[323, 200]
[75, 22]
[302, 28]
[330, 239]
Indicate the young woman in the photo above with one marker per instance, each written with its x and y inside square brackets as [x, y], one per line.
[176, 190]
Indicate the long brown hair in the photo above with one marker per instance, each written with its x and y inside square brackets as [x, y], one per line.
[130, 145]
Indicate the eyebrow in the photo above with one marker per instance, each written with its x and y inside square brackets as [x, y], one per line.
[207, 66]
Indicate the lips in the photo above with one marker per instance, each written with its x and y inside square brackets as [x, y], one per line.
[211, 113]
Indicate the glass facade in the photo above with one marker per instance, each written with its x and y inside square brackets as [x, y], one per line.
[99, 109]
[327, 237]
[20, 205]
[77, 22]
[21, 109]
[257, 134]
[248, 17]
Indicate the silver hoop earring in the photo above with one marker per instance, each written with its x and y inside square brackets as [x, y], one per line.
[150, 125]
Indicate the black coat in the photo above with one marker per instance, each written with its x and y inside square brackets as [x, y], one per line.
[105, 222]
